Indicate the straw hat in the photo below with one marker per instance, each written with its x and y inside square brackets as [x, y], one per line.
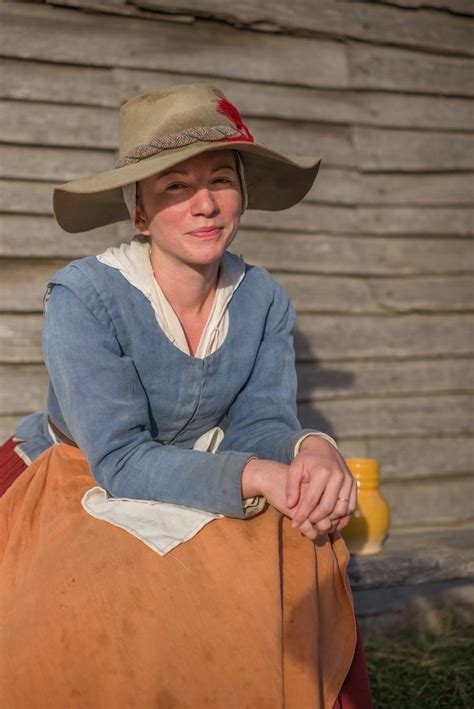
[159, 129]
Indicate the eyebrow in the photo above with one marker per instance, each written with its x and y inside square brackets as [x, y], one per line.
[184, 172]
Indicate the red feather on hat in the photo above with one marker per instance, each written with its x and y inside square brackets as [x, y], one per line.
[228, 109]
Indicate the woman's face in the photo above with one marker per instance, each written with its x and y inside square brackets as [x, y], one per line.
[177, 208]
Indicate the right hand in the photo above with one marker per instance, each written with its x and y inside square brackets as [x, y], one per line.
[269, 478]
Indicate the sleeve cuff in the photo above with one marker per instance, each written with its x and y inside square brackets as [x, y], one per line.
[253, 505]
[314, 433]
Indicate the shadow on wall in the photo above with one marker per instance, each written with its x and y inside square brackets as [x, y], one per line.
[315, 379]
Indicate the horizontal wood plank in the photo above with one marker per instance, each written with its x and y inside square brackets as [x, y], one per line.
[382, 221]
[393, 69]
[20, 338]
[163, 45]
[463, 7]
[375, 22]
[430, 503]
[8, 425]
[23, 388]
[319, 381]
[407, 150]
[321, 337]
[96, 87]
[318, 294]
[400, 415]
[41, 236]
[45, 164]
[437, 293]
[23, 282]
[331, 254]
[427, 457]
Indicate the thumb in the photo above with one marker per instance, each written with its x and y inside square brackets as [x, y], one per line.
[293, 486]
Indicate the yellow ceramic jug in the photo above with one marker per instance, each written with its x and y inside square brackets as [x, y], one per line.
[367, 530]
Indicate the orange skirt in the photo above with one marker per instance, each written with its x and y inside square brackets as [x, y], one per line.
[248, 613]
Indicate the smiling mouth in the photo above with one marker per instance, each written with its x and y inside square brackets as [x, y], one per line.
[206, 233]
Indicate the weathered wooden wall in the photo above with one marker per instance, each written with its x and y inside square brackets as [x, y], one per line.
[377, 258]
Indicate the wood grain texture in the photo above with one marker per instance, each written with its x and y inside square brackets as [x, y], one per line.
[24, 388]
[376, 22]
[20, 339]
[430, 503]
[395, 337]
[423, 457]
[25, 80]
[462, 7]
[8, 425]
[380, 148]
[23, 282]
[393, 69]
[318, 294]
[158, 45]
[48, 164]
[399, 415]
[381, 221]
[361, 255]
[41, 236]
[320, 381]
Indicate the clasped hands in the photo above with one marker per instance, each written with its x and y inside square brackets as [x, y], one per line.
[316, 491]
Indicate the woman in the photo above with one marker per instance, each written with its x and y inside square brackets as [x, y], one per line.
[206, 568]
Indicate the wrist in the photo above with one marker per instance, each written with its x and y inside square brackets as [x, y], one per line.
[316, 443]
[256, 476]
[251, 479]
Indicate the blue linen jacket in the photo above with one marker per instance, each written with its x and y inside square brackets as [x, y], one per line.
[135, 404]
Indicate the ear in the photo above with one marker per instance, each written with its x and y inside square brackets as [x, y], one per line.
[141, 222]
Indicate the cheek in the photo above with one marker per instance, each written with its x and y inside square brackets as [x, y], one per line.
[232, 203]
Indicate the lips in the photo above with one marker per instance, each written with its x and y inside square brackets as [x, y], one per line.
[207, 232]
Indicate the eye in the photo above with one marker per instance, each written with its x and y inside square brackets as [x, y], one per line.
[175, 185]
[223, 179]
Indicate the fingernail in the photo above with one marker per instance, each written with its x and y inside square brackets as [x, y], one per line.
[295, 524]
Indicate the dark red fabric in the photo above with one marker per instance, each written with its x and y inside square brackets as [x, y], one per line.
[11, 465]
[355, 692]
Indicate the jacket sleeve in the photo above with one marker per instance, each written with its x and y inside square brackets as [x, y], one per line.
[106, 410]
[263, 417]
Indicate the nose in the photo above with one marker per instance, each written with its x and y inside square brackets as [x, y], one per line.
[204, 202]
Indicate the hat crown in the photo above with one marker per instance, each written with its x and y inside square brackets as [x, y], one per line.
[157, 114]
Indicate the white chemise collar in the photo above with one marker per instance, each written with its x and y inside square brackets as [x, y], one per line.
[133, 261]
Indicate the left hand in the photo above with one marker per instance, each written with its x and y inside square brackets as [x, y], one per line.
[317, 477]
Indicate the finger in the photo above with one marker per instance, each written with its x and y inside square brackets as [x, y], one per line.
[343, 501]
[324, 526]
[293, 484]
[309, 499]
[307, 529]
[327, 503]
[353, 498]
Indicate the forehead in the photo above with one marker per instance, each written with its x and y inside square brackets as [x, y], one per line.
[211, 159]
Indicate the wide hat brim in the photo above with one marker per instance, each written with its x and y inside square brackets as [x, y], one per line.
[274, 181]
